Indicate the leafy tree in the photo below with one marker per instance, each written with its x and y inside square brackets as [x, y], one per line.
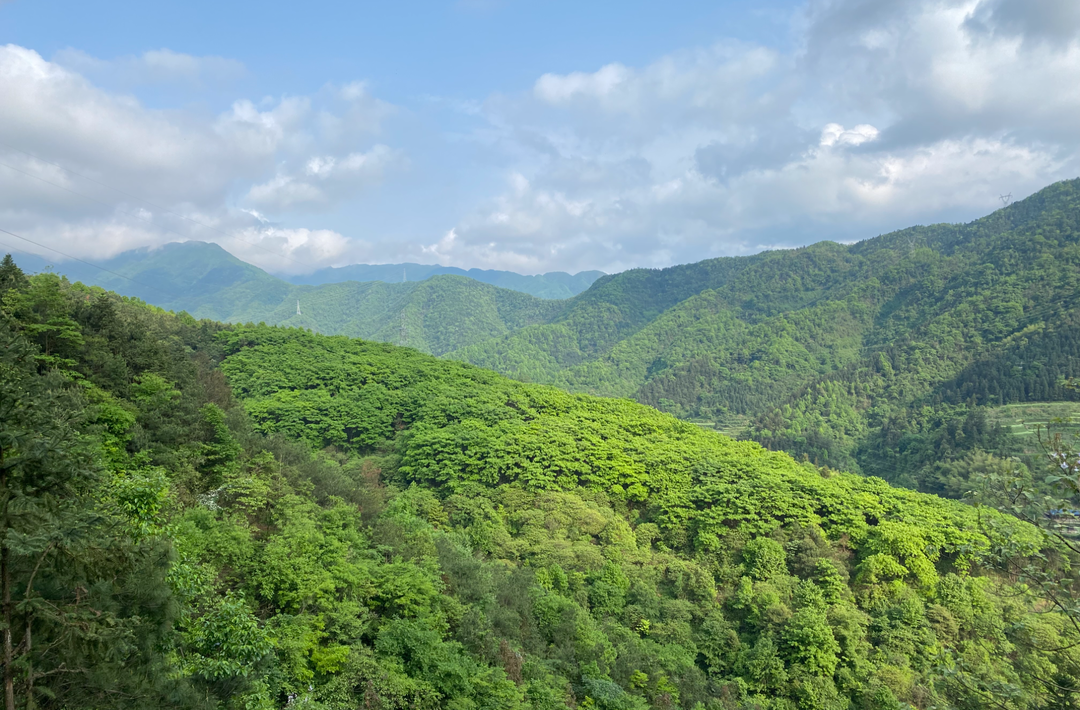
[11, 276]
[85, 607]
[1047, 568]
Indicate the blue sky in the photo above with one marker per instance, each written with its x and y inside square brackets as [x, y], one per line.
[407, 50]
[531, 136]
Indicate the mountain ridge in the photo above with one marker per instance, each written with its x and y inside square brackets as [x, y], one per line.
[817, 350]
[441, 313]
[554, 285]
[932, 300]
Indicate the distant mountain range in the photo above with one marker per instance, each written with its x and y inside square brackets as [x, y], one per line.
[434, 311]
[880, 357]
[554, 285]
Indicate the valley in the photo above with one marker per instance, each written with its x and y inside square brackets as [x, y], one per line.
[490, 355]
[836, 353]
[265, 512]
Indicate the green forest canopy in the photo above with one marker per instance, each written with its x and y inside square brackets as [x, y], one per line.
[203, 515]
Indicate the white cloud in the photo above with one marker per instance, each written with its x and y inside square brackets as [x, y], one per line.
[325, 179]
[881, 115]
[288, 250]
[931, 71]
[556, 89]
[442, 248]
[887, 114]
[159, 165]
[162, 156]
[836, 135]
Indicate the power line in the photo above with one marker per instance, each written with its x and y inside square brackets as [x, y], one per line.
[156, 206]
[85, 197]
[88, 263]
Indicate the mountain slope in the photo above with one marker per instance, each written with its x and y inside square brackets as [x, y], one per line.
[614, 308]
[436, 315]
[553, 285]
[511, 465]
[770, 338]
[284, 519]
[191, 276]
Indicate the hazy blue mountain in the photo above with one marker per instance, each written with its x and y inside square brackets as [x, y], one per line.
[554, 285]
[198, 277]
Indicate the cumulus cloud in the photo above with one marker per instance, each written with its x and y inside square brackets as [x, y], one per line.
[288, 250]
[599, 85]
[59, 115]
[931, 71]
[836, 135]
[65, 139]
[325, 179]
[884, 115]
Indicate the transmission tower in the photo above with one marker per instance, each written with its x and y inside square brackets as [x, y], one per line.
[1005, 199]
[298, 306]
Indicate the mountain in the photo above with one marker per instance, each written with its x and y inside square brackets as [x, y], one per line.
[436, 315]
[864, 357]
[198, 277]
[207, 515]
[880, 357]
[552, 285]
[178, 276]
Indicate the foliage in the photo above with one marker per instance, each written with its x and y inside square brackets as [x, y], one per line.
[667, 564]
[85, 603]
[883, 357]
[344, 524]
[1047, 571]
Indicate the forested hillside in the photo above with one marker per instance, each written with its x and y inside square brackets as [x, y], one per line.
[210, 516]
[880, 357]
[875, 357]
[187, 276]
[436, 315]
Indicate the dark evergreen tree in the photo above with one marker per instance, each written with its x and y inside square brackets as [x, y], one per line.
[11, 276]
[85, 605]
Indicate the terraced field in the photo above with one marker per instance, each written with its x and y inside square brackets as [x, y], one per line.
[1027, 420]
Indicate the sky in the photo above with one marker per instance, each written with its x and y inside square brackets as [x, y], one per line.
[522, 135]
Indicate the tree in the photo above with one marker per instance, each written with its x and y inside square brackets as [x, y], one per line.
[86, 610]
[43, 310]
[1046, 565]
[11, 276]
